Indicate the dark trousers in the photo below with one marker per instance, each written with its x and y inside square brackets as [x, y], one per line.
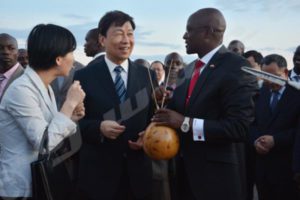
[250, 171]
[279, 191]
[180, 186]
[124, 191]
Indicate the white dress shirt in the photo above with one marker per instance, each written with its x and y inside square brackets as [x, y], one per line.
[26, 109]
[98, 55]
[198, 131]
[294, 76]
[112, 66]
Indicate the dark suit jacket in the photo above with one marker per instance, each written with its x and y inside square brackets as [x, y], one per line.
[296, 164]
[101, 159]
[296, 161]
[19, 71]
[276, 166]
[223, 98]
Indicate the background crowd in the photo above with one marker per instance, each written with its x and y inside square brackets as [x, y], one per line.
[243, 134]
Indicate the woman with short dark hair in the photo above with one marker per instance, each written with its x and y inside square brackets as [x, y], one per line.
[28, 107]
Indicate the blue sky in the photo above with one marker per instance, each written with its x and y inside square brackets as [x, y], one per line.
[268, 26]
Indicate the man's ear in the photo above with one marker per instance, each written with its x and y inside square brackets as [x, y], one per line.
[58, 60]
[101, 39]
[286, 72]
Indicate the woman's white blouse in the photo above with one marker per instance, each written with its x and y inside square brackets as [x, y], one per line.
[26, 109]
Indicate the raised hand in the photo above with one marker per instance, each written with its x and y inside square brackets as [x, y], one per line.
[74, 98]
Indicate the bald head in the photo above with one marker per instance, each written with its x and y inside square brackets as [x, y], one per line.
[298, 48]
[210, 17]
[23, 57]
[175, 60]
[237, 47]
[92, 46]
[8, 52]
[296, 60]
[142, 62]
[5, 36]
[204, 31]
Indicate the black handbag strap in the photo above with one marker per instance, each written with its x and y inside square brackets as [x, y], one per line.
[44, 145]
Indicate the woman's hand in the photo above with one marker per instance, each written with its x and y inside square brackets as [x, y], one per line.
[74, 98]
[78, 112]
[75, 94]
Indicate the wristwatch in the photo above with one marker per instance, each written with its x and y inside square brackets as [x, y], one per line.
[185, 126]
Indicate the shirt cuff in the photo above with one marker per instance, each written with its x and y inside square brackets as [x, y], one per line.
[198, 131]
[63, 125]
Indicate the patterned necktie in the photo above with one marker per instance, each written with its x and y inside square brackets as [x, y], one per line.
[119, 84]
[194, 79]
[274, 101]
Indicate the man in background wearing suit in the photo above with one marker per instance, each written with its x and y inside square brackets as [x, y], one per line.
[159, 69]
[277, 111]
[61, 85]
[92, 47]
[113, 165]
[296, 160]
[10, 69]
[211, 110]
[295, 76]
[23, 57]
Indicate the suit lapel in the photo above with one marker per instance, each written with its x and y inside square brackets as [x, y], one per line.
[206, 72]
[102, 75]
[283, 101]
[182, 88]
[133, 79]
[263, 108]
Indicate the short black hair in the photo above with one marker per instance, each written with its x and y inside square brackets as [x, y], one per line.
[275, 58]
[255, 54]
[115, 17]
[157, 61]
[46, 42]
[141, 61]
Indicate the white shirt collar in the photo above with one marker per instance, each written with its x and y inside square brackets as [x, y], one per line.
[111, 65]
[281, 90]
[162, 79]
[205, 59]
[98, 54]
[293, 74]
